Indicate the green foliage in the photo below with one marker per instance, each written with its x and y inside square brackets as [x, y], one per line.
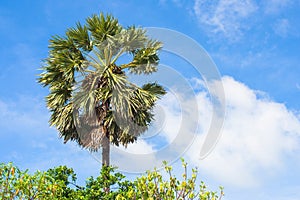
[153, 186]
[60, 183]
[17, 184]
[95, 187]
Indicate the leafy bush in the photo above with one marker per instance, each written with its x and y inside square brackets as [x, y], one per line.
[17, 184]
[152, 186]
[60, 183]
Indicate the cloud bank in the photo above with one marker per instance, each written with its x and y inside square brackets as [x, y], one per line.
[256, 135]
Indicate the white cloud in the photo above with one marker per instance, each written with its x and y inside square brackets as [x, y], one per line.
[139, 147]
[224, 16]
[256, 134]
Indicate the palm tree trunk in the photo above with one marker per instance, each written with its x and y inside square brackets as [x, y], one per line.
[105, 162]
[106, 148]
[105, 140]
[105, 151]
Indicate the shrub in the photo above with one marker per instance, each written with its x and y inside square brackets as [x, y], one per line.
[17, 184]
[152, 186]
[60, 183]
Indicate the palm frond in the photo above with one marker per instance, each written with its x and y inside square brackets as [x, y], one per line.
[101, 27]
[80, 37]
[154, 89]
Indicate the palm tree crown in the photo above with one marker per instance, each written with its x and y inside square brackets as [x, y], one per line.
[90, 97]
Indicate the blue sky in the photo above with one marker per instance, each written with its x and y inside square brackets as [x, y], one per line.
[255, 46]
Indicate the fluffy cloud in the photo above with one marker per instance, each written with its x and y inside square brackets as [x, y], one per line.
[257, 133]
[224, 16]
[233, 19]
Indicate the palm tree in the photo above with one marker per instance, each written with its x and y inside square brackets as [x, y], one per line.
[90, 97]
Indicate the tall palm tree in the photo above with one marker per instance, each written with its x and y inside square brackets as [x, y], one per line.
[90, 97]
